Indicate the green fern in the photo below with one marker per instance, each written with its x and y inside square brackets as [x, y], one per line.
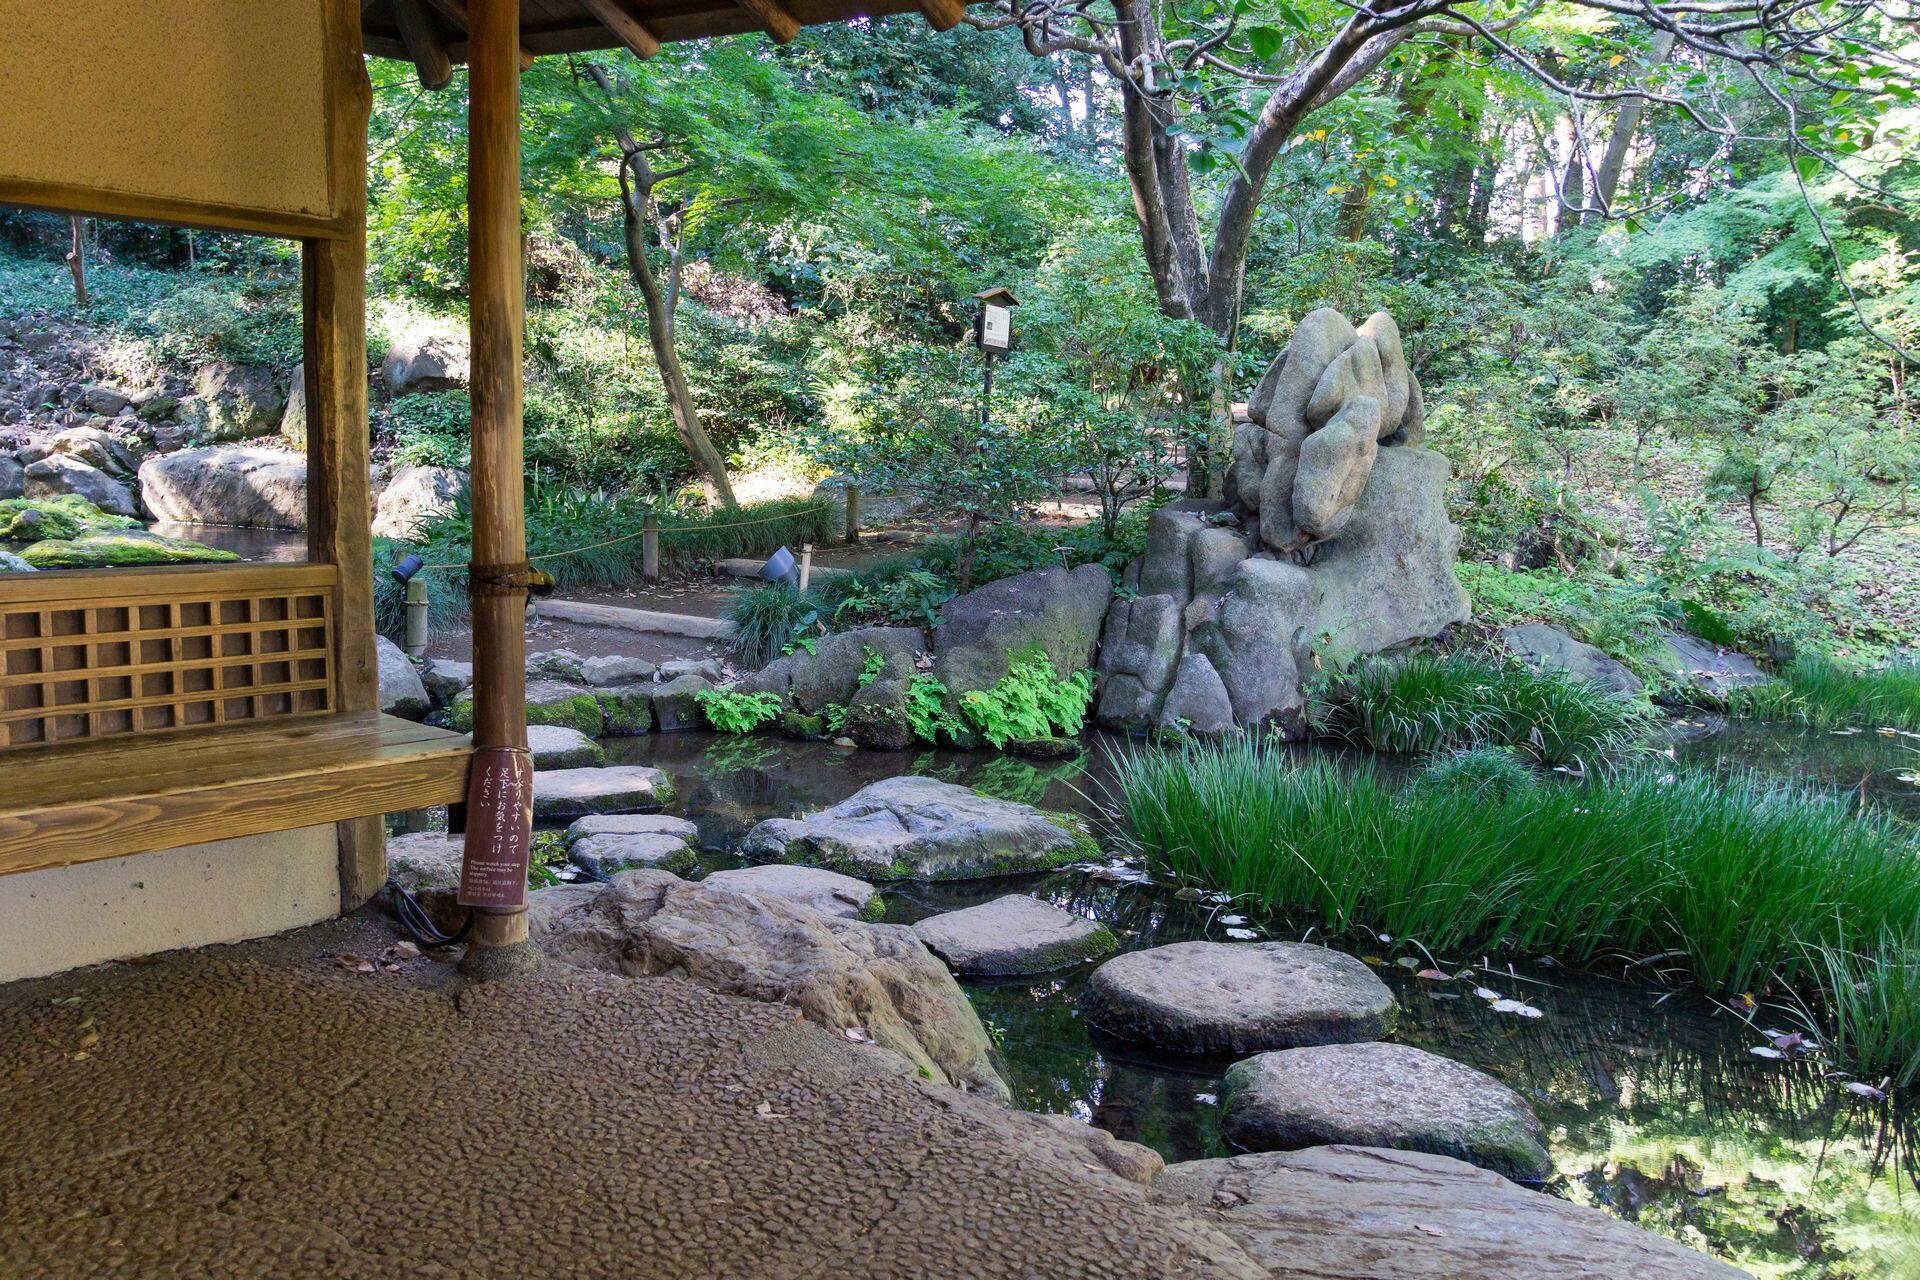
[733, 712]
[928, 715]
[1031, 701]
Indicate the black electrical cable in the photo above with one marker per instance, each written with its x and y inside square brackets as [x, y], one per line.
[414, 919]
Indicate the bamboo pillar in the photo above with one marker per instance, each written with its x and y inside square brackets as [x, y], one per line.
[496, 287]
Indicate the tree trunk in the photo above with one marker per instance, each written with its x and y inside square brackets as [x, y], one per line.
[660, 335]
[77, 260]
[1626, 123]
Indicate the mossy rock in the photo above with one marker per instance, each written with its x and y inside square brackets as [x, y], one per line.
[62, 518]
[627, 709]
[1049, 748]
[806, 728]
[107, 548]
[548, 702]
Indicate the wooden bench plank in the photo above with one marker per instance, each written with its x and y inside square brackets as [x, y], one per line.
[87, 801]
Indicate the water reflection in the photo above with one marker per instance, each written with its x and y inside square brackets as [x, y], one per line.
[1655, 1107]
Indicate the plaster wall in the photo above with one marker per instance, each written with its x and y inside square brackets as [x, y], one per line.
[227, 891]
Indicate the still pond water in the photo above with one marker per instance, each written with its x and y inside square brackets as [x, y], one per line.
[1655, 1107]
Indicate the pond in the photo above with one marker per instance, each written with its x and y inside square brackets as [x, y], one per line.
[1655, 1106]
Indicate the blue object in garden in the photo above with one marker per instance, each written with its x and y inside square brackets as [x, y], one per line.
[779, 566]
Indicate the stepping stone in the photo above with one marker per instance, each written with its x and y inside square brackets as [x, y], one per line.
[826, 893]
[571, 793]
[558, 747]
[1013, 935]
[548, 702]
[1225, 997]
[1382, 1095]
[913, 828]
[708, 669]
[608, 842]
[601, 672]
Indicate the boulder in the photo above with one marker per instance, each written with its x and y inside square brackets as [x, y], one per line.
[1381, 1095]
[1547, 648]
[57, 473]
[604, 856]
[97, 447]
[914, 828]
[13, 478]
[548, 702]
[11, 563]
[446, 679]
[604, 672]
[1692, 670]
[1225, 997]
[1138, 654]
[1197, 707]
[1338, 1213]
[425, 860]
[877, 717]
[402, 692]
[556, 746]
[293, 422]
[423, 361]
[709, 669]
[104, 401]
[871, 982]
[676, 705]
[110, 548]
[831, 673]
[626, 710]
[572, 793]
[1057, 611]
[415, 498]
[263, 488]
[238, 401]
[555, 664]
[826, 893]
[1014, 935]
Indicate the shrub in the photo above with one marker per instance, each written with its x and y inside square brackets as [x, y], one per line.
[1756, 883]
[730, 711]
[1421, 704]
[432, 429]
[768, 620]
[1031, 701]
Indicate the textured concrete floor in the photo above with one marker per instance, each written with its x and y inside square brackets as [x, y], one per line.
[263, 1111]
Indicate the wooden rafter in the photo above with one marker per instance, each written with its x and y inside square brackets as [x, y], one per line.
[456, 11]
[779, 22]
[632, 32]
[424, 45]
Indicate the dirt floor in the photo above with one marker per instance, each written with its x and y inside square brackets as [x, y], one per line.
[272, 1110]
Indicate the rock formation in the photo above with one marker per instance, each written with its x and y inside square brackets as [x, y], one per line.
[1333, 538]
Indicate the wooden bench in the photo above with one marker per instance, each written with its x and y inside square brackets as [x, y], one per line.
[106, 798]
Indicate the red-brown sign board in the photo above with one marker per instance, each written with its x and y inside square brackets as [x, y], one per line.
[499, 829]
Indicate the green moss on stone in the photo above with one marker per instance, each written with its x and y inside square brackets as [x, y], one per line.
[628, 710]
[580, 712]
[876, 907]
[806, 728]
[57, 519]
[101, 549]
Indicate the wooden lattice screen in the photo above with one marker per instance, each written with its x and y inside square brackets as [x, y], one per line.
[111, 652]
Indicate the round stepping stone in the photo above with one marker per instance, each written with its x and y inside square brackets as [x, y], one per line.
[559, 747]
[1382, 1095]
[1016, 934]
[608, 842]
[632, 824]
[570, 793]
[1224, 997]
[826, 893]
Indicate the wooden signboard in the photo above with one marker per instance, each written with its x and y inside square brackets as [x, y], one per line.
[214, 113]
[499, 845]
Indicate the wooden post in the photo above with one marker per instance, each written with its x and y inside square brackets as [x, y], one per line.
[852, 492]
[333, 276]
[650, 547]
[496, 301]
[806, 565]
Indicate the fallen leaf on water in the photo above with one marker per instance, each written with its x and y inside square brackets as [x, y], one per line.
[1233, 919]
[1242, 935]
[1765, 1051]
[1408, 962]
[1190, 895]
[1434, 975]
[1519, 1007]
[1867, 1091]
[1487, 993]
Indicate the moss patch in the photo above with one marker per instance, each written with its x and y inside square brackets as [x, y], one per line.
[106, 548]
[876, 908]
[64, 517]
[628, 712]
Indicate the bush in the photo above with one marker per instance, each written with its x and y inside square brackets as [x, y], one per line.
[1758, 884]
[1422, 705]
[432, 429]
[732, 712]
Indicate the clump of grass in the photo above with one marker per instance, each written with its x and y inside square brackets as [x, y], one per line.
[1758, 884]
[1817, 691]
[1870, 998]
[769, 619]
[1494, 772]
[1424, 705]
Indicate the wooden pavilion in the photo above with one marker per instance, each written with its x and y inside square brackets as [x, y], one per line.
[194, 754]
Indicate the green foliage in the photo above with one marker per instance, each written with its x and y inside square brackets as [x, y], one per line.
[768, 620]
[1421, 704]
[1030, 701]
[1756, 884]
[433, 429]
[1815, 690]
[66, 515]
[929, 716]
[1493, 772]
[730, 711]
[1623, 619]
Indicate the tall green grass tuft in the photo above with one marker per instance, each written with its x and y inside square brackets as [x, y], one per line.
[1817, 691]
[1757, 884]
[1423, 705]
[770, 618]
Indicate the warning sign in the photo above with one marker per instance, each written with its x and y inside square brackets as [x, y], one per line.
[499, 829]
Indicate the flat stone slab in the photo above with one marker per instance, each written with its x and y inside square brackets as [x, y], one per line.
[1227, 997]
[600, 856]
[914, 828]
[1545, 647]
[425, 860]
[1382, 1095]
[631, 824]
[1337, 1213]
[1013, 935]
[559, 747]
[826, 893]
[572, 793]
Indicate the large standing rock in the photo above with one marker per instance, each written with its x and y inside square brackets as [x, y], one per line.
[415, 498]
[56, 474]
[1197, 706]
[913, 828]
[239, 401]
[1138, 654]
[826, 893]
[872, 980]
[402, 692]
[264, 488]
[1058, 611]
[426, 362]
[571, 793]
[1549, 648]
[1013, 935]
[831, 673]
[1222, 997]
[1381, 1095]
[1339, 1213]
[293, 422]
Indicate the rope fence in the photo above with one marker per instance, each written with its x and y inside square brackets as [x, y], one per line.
[654, 530]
